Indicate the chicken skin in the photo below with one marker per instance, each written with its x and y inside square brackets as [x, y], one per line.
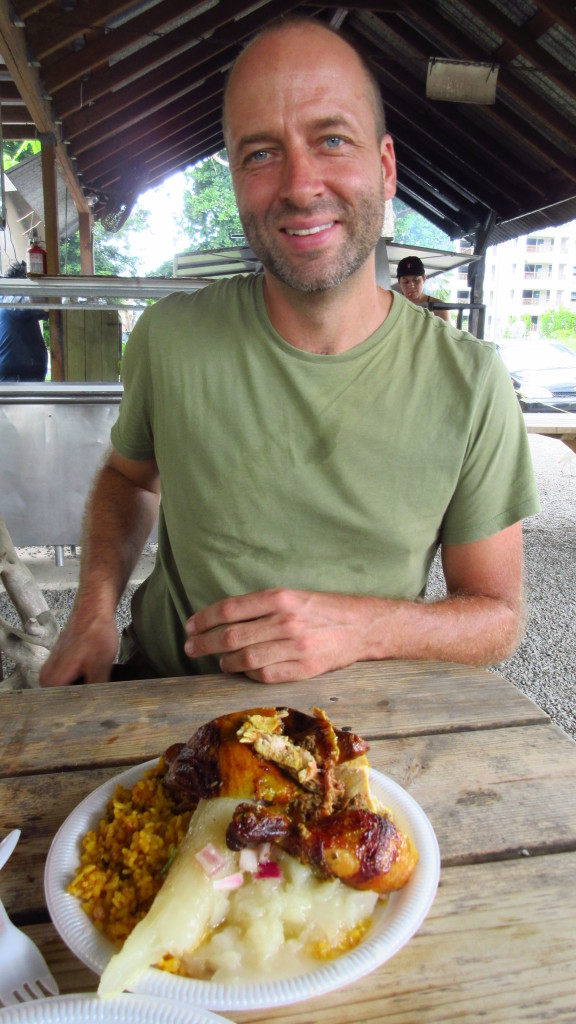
[303, 785]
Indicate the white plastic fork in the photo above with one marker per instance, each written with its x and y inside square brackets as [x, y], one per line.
[8, 845]
[24, 973]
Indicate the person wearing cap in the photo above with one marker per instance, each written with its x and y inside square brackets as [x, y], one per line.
[411, 277]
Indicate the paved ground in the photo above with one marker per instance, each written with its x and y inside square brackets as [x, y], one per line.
[544, 666]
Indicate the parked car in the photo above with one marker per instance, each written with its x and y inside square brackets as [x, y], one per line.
[543, 374]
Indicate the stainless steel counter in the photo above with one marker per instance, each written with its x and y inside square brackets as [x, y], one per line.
[52, 439]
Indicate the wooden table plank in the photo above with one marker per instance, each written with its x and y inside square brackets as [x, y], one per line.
[489, 795]
[37, 804]
[73, 727]
[561, 425]
[484, 954]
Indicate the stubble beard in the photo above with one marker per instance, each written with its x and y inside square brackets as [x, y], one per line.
[362, 235]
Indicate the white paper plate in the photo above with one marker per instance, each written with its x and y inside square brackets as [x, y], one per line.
[89, 1009]
[395, 922]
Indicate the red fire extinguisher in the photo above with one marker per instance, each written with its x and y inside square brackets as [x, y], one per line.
[36, 256]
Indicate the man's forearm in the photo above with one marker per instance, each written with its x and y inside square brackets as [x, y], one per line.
[118, 520]
[119, 517]
[475, 630]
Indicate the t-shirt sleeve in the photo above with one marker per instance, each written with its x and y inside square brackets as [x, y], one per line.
[132, 434]
[496, 487]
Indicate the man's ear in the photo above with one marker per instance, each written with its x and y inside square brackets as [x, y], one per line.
[388, 158]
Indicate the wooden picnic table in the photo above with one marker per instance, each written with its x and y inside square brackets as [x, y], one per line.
[561, 425]
[496, 778]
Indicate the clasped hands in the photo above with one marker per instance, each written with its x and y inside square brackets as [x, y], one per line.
[280, 635]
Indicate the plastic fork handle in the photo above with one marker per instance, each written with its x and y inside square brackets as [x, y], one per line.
[7, 846]
[5, 922]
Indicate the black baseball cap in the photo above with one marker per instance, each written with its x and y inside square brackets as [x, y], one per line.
[411, 266]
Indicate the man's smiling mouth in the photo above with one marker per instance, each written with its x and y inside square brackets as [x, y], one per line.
[309, 231]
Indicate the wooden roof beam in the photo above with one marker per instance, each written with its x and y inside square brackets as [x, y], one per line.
[27, 81]
[129, 101]
[168, 48]
[62, 27]
[149, 137]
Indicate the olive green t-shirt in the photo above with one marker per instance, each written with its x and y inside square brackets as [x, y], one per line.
[281, 467]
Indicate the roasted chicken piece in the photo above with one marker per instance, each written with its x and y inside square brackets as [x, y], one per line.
[363, 849]
[308, 784]
[264, 754]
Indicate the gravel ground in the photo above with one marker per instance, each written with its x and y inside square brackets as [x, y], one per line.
[544, 666]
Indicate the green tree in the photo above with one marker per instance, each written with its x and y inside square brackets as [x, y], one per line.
[518, 326]
[411, 228]
[559, 323]
[14, 152]
[210, 212]
[165, 269]
[109, 257]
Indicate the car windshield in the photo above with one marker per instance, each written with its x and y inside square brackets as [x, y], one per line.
[537, 356]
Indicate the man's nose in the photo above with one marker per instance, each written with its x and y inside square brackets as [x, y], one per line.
[301, 178]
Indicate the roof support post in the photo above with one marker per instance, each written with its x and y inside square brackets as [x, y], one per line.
[476, 273]
[50, 193]
[85, 224]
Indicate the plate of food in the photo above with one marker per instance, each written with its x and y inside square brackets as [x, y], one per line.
[260, 863]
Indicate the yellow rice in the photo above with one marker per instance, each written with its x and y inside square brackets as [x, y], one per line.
[124, 860]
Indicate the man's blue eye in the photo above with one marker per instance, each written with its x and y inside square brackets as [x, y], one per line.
[334, 141]
[259, 155]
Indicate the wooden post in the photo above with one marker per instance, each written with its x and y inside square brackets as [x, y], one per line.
[50, 192]
[86, 244]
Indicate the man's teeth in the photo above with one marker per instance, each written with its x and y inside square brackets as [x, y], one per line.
[309, 231]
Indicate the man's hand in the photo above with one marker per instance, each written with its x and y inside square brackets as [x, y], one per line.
[280, 635]
[86, 649]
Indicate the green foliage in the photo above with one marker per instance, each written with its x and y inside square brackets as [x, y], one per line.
[518, 326]
[165, 269]
[108, 255]
[210, 214]
[553, 323]
[14, 152]
[411, 228]
[558, 323]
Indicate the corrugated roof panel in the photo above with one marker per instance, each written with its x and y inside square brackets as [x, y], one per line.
[562, 46]
[518, 11]
[470, 25]
[539, 82]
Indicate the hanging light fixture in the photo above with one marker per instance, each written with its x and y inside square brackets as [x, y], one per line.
[461, 81]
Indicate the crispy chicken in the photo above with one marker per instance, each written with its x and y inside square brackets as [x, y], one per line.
[303, 785]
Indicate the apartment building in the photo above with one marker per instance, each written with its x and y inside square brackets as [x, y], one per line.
[524, 276]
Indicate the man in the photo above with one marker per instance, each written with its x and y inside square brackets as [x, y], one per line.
[315, 439]
[411, 277]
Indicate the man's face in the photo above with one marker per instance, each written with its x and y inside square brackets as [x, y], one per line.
[309, 173]
[412, 286]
